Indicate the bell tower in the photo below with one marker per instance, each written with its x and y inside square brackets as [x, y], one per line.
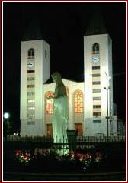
[35, 70]
[98, 79]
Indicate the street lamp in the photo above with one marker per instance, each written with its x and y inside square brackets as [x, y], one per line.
[5, 125]
[6, 115]
[107, 117]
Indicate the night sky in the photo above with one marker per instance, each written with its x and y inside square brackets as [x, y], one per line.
[63, 26]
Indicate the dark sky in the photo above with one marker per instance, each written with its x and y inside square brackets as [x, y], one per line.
[63, 26]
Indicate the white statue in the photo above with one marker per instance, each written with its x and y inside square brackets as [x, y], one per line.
[60, 110]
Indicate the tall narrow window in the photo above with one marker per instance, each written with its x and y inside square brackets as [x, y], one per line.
[78, 101]
[49, 103]
[95, 48]
[31, 53]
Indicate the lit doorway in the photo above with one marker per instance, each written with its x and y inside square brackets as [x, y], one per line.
[49, 130]
[78, 127]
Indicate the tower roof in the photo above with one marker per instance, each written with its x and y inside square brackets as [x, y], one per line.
[33, 31]
[96, 24]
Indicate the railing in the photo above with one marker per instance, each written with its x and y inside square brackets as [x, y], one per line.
[79, 139]
[101, 139]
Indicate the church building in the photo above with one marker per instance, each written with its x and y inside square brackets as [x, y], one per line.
[91, 105]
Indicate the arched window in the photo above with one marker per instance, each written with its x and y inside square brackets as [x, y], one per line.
[95, 48]
[49, 103]
[31, 53]
[78, 101]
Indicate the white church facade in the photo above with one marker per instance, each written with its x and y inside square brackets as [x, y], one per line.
[91, 105]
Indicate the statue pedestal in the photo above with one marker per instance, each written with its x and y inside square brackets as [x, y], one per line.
[72, 135]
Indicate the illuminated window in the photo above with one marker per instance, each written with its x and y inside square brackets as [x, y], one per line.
[78, 101]
[49, 103]
[30, 101]
[95, 48]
